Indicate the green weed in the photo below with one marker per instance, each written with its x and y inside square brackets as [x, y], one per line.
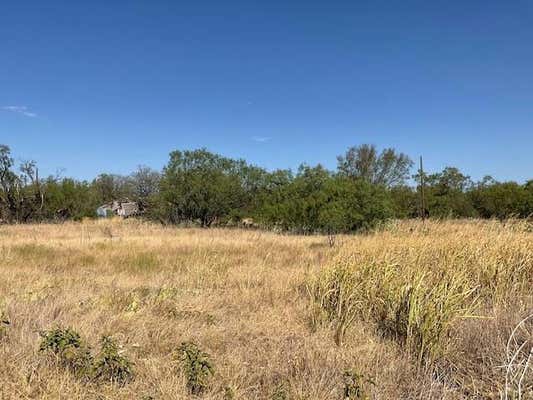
[69, 349]
[110, 365]
[197, 366]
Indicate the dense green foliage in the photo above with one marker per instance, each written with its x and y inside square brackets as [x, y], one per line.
[70, 350]
[72, 353]
[196, 365]
[110, 365]
[200, 187]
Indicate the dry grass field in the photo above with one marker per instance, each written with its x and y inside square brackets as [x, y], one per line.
[411, 311]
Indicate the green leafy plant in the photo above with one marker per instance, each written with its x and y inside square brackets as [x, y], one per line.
[196, 365]
[69, 349]
[110, 365]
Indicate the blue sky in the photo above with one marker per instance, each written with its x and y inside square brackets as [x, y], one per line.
[100, 86]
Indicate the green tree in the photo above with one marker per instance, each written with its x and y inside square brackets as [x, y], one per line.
[500, 200]
[8, 185]
[201, 186]
[350, 205]
[315, 200]
[21, 194]
[445, 194]
[528, 204]
[405, 201]
[67, 198]
[110, 187]
[144, 184]
[295, 205]
[387, 168]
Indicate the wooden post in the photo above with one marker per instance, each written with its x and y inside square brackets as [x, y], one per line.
[39, 191]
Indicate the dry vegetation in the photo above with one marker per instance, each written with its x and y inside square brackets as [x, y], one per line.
[413, 311]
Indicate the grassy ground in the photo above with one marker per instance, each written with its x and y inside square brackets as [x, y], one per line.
[413, 311]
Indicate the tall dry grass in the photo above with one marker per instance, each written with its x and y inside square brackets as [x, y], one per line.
[412, 311]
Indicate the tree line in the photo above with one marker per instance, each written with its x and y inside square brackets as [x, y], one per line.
[204, 188]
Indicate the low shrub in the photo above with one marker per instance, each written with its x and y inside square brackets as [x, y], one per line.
[196, 365]
[69, 349]
[110, 365]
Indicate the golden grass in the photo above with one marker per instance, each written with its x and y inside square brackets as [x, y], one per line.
[249, 299]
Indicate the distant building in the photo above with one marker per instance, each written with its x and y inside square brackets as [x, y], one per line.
[123, 209]
[128, 209]
[104, 211]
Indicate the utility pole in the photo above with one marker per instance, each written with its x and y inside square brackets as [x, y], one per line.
[422, 198]
[39, 190]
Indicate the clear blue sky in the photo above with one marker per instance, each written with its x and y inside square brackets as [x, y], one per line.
[94, 86]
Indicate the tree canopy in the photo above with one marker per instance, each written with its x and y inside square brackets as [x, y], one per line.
[205, 188]
[387, 168]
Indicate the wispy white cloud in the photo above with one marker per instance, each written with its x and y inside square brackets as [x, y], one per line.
[261, 139]
[20, 110]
